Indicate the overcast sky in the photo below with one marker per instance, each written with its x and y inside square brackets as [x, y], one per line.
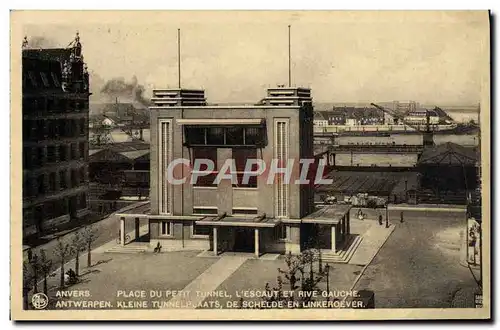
[343, 56]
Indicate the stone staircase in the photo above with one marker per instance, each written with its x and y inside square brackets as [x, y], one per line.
[344, 255]
[129, 248]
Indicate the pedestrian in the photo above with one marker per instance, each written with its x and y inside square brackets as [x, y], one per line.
[380, 222]
[402, 219]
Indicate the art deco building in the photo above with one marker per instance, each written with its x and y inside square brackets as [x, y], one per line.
[55, 136]
[234, 215]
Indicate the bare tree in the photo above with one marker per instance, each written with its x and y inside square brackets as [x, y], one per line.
[63, 251]
[89, 234]
[45, 268]
[78, 245]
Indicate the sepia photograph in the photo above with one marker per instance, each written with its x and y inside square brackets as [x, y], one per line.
[236, 165]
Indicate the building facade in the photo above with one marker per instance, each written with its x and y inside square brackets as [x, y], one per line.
[421, 116]
[55, 137]
[234, 215]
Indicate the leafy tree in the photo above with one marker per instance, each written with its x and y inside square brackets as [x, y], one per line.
[45, 268]
[27, 283]
[63, 251]
[34, 263]
[78, 245]
[89, 235]
[300, 274]
[100, 132]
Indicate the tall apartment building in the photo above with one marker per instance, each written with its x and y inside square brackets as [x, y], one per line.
[254, 216]
[55, 136]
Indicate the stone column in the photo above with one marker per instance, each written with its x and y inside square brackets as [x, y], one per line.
[334, 248]
[348, 218]
[256, 237]
[137, 225]
[344, 227]
[215, 240]
[122, 231]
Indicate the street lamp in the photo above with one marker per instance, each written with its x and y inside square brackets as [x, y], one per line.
[327, 268]
[387, 214]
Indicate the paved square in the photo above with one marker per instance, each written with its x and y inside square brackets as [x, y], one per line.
[138, 272]
[413, 270]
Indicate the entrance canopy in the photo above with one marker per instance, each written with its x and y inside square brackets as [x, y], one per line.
[222, 220]
[328, 215]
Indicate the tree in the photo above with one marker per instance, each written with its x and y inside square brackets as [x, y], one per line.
[78, 245]
[100, 133]
[89, 235]
[300, 275]
[45, 268]
[27, 283]
[63, 251]
[34, 263]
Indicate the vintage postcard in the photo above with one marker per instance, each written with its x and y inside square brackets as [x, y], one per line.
[250, 165]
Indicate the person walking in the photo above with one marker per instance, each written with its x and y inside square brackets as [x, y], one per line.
[402, 219]
[380, 221]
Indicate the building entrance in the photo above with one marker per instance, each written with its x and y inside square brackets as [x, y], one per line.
[244, 240]
[315, 236]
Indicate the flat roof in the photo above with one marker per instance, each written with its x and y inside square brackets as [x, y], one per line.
[331, 214]
[239, 221]
[222, 121]
[208, 106]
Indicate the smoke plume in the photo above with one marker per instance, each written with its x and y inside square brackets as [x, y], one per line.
[41, 42]
[118, 87]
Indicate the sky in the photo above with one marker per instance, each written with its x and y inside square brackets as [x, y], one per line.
[430, 57]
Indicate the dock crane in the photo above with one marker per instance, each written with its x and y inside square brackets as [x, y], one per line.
[428, 136]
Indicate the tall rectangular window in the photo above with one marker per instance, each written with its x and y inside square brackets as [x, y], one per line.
[165, 157]
[55, 79]
[52, 181]
[45, 81]
[205, 154]
[62, 180]
[63, 156]
[280, 232]
[281, 141]
[241, 156]
[74, 178]
[81, 126]
[51, 154]
[81, 146]
[33, 80]
[74, 151]
[166, 228]
[41, 184]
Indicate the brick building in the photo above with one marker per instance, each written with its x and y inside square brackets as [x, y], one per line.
[234, 216]
[55, 136]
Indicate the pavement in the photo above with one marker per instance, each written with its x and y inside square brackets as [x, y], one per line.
[373, 239]
[207, 282]
[427, 207]
[53, 280]
[412, 271]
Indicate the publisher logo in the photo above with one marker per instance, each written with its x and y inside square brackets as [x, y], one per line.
[478, 300]
[39, 300]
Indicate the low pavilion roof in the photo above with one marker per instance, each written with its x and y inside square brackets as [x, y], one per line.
[239, 221]
[328, 215]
